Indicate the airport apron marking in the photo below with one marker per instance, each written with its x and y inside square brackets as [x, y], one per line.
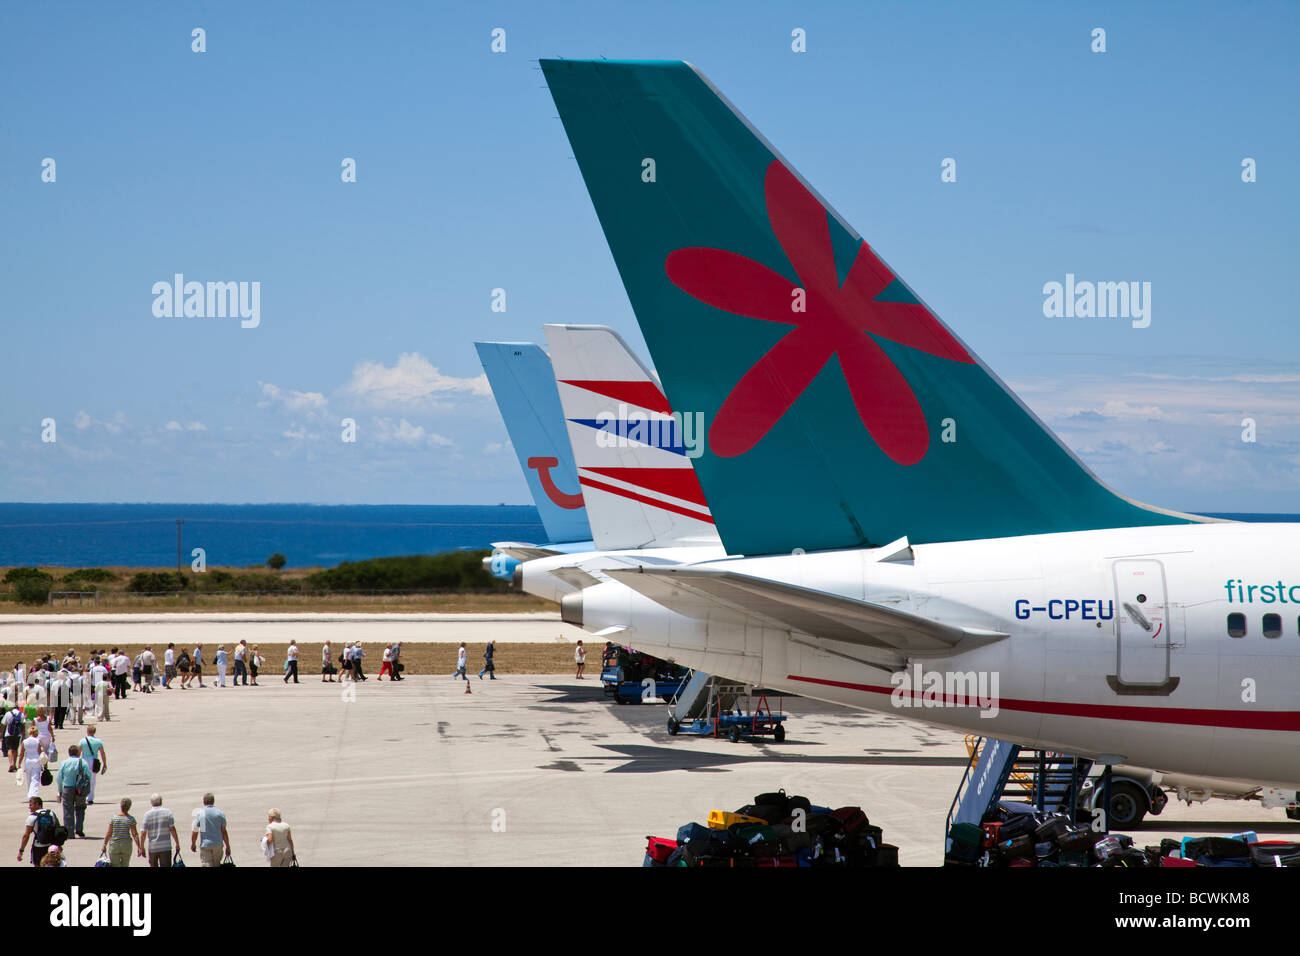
[1284, 720]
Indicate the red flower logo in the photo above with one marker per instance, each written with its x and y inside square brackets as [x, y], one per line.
[835, 322]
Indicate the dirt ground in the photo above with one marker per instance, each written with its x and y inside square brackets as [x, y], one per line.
[550, 658]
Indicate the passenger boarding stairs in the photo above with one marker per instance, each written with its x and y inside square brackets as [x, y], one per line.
[999, 770]
[705, 695]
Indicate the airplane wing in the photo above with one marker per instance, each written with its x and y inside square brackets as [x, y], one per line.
[523, 552]
[696, 592]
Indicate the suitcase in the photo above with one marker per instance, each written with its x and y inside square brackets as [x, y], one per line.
[1216, 848]
[966, 839]
[850, 819]
[884, 855]
[1045, 849]
[777, 797]
[659, 849]
[1017, 824]
[1075, 858]
[676, 858]
[791, 838]
[692, 830]
[821, 824]
[777, 861]
[768, 812]
[711, 853]
[991, 838]
[1177, 861]
[1130, 858]
[1078, 840]
[1020, 846]
[1275, 853]
[1052, 827]
[798, 803]
[1020, 861]
[721, 819]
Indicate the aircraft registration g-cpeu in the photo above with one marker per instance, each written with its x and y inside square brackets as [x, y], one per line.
[938, 573]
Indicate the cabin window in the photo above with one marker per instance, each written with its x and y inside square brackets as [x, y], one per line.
[1272, 625]
[1236, 624]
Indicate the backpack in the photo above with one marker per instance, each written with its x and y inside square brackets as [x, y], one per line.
[80, 788]
[46, 827]
[14, 723]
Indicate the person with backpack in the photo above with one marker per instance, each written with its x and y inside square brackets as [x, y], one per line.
[14, 725]
[183, 665]
[41, 827]
[73, 781]
[94, 753]
[489, 666]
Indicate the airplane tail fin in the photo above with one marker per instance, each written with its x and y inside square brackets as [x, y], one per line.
[841, 412]
[524, 388]
[633, 455]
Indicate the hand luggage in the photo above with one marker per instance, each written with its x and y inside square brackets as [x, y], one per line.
[1016, 824]
[884, 855]
[991, 835]
[721, 819]
[1084, 839]
[1275, 853]
[778, 798]
[851, 819]
[1177, 861]
[692, 830]
[768, 812]
[965, 839]
[1022, 845]
[1074, 858]
[1052, 827]
[1214, 847]
[659, 849]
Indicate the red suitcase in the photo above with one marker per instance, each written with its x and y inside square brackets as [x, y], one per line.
[659, 849]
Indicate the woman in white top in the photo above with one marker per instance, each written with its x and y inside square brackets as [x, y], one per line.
[36, 692]
[579, 658]
[44, 729]
[31, 754]
[280, 839]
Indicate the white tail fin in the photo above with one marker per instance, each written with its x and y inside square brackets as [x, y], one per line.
[633, 454]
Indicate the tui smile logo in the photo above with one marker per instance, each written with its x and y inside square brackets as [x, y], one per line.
[830, 320]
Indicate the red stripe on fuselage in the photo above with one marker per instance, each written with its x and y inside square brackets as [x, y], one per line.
[1285, 720]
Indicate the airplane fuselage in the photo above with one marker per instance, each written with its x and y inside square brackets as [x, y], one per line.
[1126, 644]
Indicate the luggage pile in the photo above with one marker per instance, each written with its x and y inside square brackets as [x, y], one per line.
[776, 830]
[1013, 835]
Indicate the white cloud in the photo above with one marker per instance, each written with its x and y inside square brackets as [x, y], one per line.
[413, 380]
[291, 400]
[84, 421]
[175, 426]
[297, 434]
[405, 433]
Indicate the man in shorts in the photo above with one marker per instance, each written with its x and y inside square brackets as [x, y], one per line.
[169, 666]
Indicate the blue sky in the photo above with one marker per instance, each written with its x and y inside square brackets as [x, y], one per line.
[225, 165]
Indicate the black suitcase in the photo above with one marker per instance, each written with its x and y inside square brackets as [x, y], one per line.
[1021, 846]
[1275, 853]
[1083, 840]
[884, 855]
[1216, 848]
[1052, 827]
[1017, 824]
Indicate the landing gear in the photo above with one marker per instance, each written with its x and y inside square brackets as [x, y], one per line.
[1128, 805]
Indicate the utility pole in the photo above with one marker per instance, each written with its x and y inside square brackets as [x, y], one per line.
[179, 522]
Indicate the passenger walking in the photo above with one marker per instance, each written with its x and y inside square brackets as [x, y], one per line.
[160, 833]
[40, 830]
[241, 663]
[345, 661]
[221, 665]
[45, 731]
[488, 666]
[76, 695]
[169, 666]
[209, 832]
[196, 664]
[460, 663]
[73, 781]
[387, 666]
[580, 658]
[357, 653]
[148, 661]
[326, 664]
[32, 766]
[186, 667]
[137, 672]
[121, 666]
[397, 660]
[14, 726]
[94, 753]
[279, 840]
[122, 837]
[291, 662]
[60, 698]
[254, 663]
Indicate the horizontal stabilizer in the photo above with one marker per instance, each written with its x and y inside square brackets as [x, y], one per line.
[696, 591]
[524, 552]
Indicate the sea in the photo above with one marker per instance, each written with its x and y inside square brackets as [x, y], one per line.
[144, 535]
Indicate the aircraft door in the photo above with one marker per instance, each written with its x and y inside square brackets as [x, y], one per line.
[1143, 628]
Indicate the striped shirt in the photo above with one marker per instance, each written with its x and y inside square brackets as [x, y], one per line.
[158, 822]
[121, 827]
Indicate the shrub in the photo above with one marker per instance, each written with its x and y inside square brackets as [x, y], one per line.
[78, 579]
[34, 588]
[450, 571]
[146, 581]
[264, 582]
[276, 561]
[14, 575]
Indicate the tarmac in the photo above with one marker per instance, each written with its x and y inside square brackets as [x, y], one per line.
[523, 771]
